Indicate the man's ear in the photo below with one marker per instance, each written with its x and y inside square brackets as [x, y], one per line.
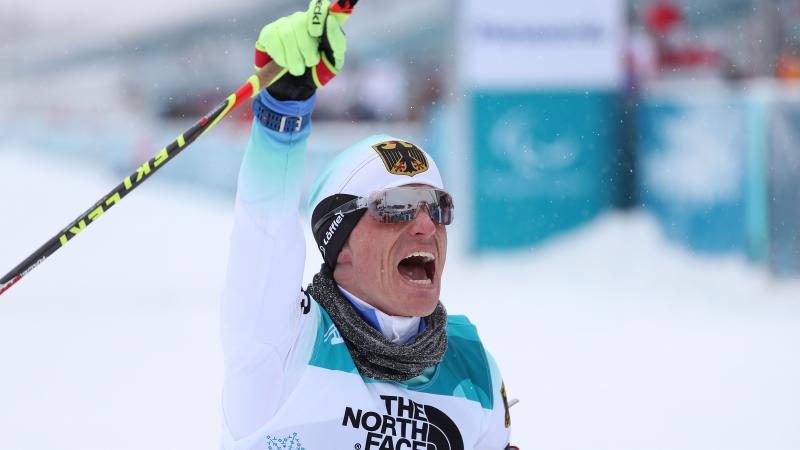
[345, 255]
[343, 272]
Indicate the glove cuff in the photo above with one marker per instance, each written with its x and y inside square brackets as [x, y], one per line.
[262, 58]
[323, 72]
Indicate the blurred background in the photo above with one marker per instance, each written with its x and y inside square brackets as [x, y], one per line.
[627, 182]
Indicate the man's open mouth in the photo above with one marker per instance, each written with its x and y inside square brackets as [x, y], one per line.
[418, 268]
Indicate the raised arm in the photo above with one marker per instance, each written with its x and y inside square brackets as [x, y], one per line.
[261, 315]
[267, 250]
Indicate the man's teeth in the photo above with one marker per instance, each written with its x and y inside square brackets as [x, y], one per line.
[428, 257]
[418, 262]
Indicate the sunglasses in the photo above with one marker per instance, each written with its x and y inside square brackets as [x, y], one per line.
[398, 205]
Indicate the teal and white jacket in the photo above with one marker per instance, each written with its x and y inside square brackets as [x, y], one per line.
[289, 381]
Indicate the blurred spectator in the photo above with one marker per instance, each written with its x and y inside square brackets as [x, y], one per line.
[380, 90]
[383, 91]
[665, 22]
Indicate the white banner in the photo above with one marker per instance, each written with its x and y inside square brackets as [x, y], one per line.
[532, 43]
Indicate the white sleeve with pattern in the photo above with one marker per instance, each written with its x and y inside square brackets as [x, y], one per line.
[261, 316]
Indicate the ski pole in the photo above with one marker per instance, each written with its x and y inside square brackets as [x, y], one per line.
[262, 78]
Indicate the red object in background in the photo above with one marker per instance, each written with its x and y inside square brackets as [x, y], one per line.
[662, 16]
[690, 57]
[788, 67]
[662, 19]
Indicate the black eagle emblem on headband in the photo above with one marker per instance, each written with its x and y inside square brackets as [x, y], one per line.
[401, 157]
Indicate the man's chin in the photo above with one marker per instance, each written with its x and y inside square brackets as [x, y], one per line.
[417, 300]
[420, 304]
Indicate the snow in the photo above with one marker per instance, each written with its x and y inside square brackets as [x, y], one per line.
[610, 337]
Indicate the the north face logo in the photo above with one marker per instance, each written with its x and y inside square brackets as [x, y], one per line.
[405, 425]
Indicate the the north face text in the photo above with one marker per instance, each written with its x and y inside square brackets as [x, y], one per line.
[406, 425]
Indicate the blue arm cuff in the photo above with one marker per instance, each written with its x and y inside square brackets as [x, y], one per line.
[288, 107]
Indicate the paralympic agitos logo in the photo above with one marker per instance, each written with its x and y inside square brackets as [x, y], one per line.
[406, 425]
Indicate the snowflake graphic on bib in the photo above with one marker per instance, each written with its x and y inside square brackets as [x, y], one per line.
[284, 443]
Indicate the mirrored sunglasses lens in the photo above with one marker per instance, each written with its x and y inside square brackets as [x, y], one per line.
[402, 205]
[441, 215]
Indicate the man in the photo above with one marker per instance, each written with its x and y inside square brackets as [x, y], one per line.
[366, 357]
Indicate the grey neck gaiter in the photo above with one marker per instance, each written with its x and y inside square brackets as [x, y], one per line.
[374, 355]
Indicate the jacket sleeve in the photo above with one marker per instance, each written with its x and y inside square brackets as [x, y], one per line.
[261, 312]
[497, 426]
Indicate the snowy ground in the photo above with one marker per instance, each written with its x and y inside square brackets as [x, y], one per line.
[611, 338]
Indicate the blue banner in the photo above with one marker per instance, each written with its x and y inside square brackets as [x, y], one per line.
[692, 169]
[543, 163]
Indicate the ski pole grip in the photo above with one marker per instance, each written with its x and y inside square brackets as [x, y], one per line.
[267, 75]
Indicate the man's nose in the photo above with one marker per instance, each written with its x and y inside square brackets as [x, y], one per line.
[422, 225]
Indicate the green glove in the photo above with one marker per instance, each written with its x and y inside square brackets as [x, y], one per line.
[309, 45]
